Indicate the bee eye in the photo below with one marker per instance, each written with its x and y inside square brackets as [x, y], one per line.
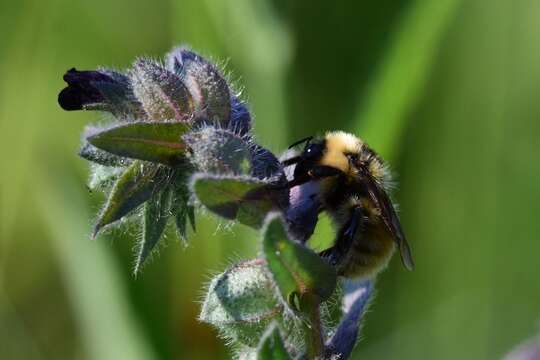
[313, 151]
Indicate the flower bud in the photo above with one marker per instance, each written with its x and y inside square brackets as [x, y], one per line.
[240, 302]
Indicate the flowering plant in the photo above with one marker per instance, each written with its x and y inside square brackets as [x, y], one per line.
[180, 138]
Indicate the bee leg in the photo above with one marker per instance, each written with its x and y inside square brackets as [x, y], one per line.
[320, 172]
[315, 173]
[345, 237]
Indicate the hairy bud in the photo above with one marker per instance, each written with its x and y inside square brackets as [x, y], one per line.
[241, 303]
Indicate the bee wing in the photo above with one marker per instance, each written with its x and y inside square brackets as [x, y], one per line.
[390, 218]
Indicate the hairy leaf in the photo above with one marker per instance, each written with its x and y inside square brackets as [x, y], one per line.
[296, 269]
[101, 157]
[136, 185]
[244, 199]
[157, 211]
[182, 208]
[180, 219]
[161, 92]
[151, 141]
[103, 177]
[271, 346]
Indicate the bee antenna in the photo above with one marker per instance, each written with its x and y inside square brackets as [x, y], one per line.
[304, 140]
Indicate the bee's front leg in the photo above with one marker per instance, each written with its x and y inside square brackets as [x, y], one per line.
[321, 171]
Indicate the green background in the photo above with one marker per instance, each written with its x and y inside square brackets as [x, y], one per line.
[446, 90]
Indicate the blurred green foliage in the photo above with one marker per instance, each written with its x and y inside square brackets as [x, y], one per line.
[446, 90]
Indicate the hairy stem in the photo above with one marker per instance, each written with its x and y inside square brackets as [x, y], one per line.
[313, 328]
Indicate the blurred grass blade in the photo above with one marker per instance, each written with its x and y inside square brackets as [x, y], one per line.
[151, 141]
[135, 186]
[403, 73]
[156, 213]
[106, 322]
[296, 269]
[271, 346]
[253, 34]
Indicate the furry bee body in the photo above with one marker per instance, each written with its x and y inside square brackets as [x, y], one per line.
[372, 246]
[354, 183]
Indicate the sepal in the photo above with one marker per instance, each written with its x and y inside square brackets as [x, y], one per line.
[156, 213]
[158, 142]
[135, 186]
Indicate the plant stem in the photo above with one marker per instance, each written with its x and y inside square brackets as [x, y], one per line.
[313, 328]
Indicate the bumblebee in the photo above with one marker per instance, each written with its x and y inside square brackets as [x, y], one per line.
[354, 182]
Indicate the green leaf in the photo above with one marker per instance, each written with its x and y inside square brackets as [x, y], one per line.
[161, 92]
[271, 346]
[296, 270]
[104, 177]
[181, 207]
[157, 211]
[244, 199]
[399, 83]
[152, 141]
[98, 156]
[180, 221]
[135, 186]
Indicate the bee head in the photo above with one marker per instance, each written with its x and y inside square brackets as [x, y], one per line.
[338, 151]
[313, 151]
[310, 156]
[342, 151]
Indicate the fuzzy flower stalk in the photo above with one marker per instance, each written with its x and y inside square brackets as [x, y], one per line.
[178, 138]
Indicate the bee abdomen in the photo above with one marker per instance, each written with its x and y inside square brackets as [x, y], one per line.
[370, 252]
